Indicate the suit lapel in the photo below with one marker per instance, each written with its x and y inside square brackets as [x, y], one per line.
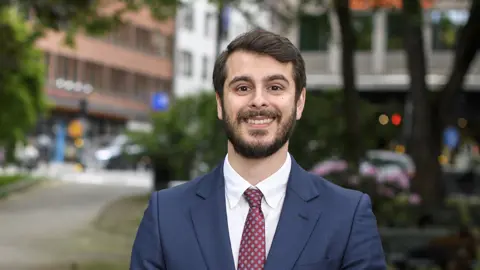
[297, 220]
[210, 222]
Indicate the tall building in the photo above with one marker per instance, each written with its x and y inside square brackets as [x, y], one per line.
[196, 39]
[110, 78]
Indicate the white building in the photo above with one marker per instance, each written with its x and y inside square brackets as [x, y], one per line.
[196, 40]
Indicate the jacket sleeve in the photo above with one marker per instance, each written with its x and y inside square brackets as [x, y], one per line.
[364, 249]
[147, 249]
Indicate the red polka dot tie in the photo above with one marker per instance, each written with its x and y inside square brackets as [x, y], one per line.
[252, 247]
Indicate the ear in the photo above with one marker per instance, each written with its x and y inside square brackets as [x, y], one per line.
[301, 103]
[219, 106]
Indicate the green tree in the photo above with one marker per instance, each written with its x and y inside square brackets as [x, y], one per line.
[22, 77]
[188, 139]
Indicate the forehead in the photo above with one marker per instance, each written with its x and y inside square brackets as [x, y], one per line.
[256, 66]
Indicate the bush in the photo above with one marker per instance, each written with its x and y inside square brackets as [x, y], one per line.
[393, 203]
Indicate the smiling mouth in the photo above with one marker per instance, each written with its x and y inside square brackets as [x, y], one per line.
[259, 121]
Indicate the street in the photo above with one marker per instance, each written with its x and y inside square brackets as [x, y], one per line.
[31, 221]
[68, 173]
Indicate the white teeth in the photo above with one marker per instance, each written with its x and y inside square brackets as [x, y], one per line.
[260, 122]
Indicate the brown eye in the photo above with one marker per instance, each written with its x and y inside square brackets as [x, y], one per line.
[243, 88]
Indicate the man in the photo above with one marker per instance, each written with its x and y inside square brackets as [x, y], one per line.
[258, 209]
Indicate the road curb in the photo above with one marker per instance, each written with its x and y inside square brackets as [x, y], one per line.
[19, 186]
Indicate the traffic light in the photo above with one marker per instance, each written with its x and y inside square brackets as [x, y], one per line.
[396, 119]
[383, 119]
[83, 107]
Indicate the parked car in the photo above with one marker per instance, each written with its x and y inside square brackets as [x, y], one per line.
[27, 156]
[122, 154]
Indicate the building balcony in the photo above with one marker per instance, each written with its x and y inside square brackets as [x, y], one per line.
[96, 50]
[323, 69]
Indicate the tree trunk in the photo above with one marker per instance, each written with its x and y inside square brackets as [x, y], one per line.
[351, 96]
[428, 179]
[161, 173]
[467, 44]
[444, 105]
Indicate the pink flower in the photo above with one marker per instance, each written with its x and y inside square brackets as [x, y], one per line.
[385, 191]
[414, 199]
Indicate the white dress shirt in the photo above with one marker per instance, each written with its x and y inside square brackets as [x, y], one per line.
[273, 189]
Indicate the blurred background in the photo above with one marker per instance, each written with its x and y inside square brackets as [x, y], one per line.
[104, 101]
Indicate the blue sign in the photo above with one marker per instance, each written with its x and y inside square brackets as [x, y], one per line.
[451, 137]
[160, 101]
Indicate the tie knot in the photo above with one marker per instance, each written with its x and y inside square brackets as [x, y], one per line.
[254, 197]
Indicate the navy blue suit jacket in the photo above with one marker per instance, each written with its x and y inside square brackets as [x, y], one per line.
[322, 227]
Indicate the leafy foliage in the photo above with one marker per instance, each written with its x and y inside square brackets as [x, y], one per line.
[22, 77]
[189, 131]
[191, 139]
[321, 132]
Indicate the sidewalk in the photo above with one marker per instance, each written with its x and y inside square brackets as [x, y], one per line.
[33, 223]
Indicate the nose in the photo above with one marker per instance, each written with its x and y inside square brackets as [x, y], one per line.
[259, 100]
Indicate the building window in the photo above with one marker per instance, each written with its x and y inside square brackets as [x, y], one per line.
[208, 24]
[119, 81]
[160, 44]
[153, 42]
[161, 85]
[363, 26]
[143, 40]
[314, 32]
[121, 35]
[186, 63]
[395, 31]
[188, 17]
[205, 67]
[142, 87]
[74, 65]
[94, 75]
[66, 68]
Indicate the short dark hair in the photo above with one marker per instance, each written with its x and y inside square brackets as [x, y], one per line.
[266, 43]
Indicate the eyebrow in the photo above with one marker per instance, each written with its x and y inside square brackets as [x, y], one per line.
[240, 79]
[250, 80]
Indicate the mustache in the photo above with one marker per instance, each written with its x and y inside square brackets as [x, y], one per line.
[264, 113]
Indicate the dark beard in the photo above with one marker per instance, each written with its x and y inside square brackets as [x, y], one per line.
[258, 151]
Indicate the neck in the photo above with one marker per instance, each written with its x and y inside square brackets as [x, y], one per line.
[256, 170]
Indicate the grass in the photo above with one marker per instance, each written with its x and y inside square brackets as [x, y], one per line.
[10, 179]
[123, 216]
[103, 266]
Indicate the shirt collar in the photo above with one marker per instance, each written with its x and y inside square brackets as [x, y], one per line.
[273, 187]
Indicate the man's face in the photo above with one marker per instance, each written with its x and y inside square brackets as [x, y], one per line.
[258, 109]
